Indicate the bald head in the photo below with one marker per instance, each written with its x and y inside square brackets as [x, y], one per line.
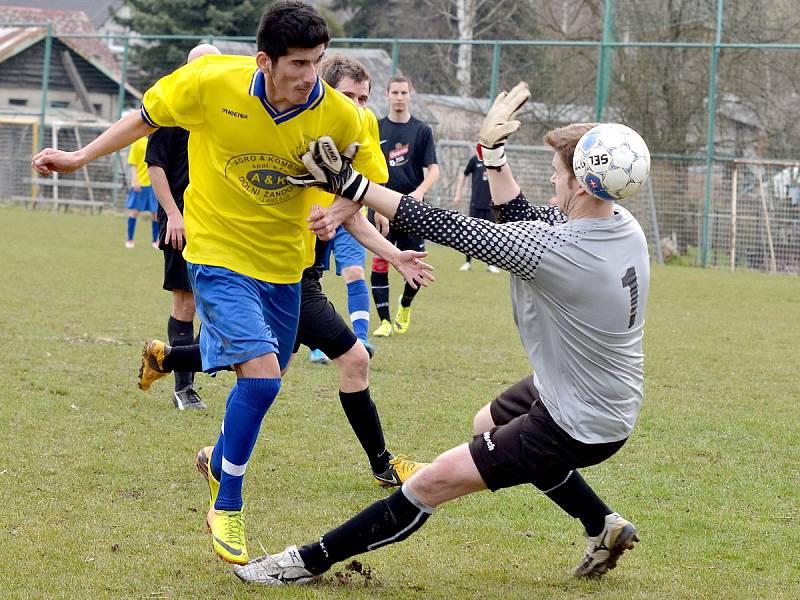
[202, 50]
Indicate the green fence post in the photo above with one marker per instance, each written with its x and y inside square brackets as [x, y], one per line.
[395, 55]
[712, 110]
[495, 72]
[123, 78]
[48, 50]
[604, 61]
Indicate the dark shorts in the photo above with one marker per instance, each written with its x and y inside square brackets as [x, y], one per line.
[527, 446]
[176, 275]
[481, 213]
[320, 325]
[403, 241]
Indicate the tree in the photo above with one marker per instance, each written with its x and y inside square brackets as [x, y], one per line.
[184, 18]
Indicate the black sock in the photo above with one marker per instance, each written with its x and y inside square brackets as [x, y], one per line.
[181, 333]
[408, 296]
[386, 521]
[380, 294]
[366, 424]
[467, 258]
[183, 358]
[579, 501]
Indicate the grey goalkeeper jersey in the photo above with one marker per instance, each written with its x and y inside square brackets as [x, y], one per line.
[579, 291]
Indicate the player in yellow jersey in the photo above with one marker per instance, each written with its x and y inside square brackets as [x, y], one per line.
[140, 195]
[249, 122]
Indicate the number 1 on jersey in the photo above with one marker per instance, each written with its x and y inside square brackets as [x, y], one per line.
[629, 281]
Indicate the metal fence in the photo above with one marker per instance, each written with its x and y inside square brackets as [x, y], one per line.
[720, 112]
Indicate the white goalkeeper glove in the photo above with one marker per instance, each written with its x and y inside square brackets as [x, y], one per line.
[332, 170]
[499, 124]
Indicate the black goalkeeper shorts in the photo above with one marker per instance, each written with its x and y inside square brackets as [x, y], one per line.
[527, 446]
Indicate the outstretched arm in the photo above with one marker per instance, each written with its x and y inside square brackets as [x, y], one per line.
[121, 134]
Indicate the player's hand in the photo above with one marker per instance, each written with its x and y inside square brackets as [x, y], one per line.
[324, 221]
[381, 224]
[417, 195]
[176, 231]
[456, 200]
[416, 273]
[50, 161]
[137, 187]
[332, 170]
[499, 124]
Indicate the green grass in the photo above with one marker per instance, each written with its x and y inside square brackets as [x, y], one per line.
[101, 498]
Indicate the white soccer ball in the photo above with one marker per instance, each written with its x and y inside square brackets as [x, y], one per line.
[611, 161]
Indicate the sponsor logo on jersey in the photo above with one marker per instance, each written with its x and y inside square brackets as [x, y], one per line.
[262, 177]
[398, 156]
[233, 113]
[488, 439]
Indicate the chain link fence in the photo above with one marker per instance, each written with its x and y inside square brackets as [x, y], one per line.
[721, 119]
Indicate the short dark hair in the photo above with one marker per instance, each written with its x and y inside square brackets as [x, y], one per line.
[399, 79]
[564, 140]
[337, 66]
[290, 24]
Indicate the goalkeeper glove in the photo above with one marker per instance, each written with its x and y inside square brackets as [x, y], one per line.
[498, 125]
[332, 170]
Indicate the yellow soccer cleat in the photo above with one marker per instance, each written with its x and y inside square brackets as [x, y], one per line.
[400, 470]
[402, 319]
[385, 329]
[203, 464]
[227, 535]
[152, 368]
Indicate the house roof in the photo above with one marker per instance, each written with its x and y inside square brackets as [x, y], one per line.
[98, 11]
[14, 38]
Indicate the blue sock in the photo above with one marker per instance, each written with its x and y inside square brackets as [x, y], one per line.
[358, 306]
[155, 231]
[216, 453]
[131, 227]
[247, 404]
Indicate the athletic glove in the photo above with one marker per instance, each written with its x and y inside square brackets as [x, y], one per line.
[332, 170]
[498, 125]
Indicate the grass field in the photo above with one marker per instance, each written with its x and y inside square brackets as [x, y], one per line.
[102, 500]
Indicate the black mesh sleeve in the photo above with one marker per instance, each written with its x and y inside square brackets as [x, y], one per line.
[519, 209]
[516, 247]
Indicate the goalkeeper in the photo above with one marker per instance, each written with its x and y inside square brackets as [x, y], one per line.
[581, 326]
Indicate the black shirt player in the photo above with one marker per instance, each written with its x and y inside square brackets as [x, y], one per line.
[407, 144]
[480, 205]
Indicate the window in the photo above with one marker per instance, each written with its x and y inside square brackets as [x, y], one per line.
[18, 102]
[59, 104]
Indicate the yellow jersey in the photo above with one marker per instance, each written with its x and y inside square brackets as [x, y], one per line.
[136, 158]
[240, 211]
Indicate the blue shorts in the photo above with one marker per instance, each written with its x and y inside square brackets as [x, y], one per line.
[243, 317]
[145, 200]
[346, 250]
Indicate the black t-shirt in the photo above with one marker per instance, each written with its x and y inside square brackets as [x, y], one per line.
[166, 148]
[408, 147]
[481, 196]
[316, 270]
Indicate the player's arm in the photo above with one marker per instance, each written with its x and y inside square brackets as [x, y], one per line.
[462, 179]
[121, 134]
[431, 177]
[135, 183]
[176, 230]
[408, 263]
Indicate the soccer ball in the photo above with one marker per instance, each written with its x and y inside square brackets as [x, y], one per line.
[611, 161]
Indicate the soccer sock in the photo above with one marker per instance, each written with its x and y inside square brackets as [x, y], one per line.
[380, 294]
[248, 403]
[358, 306]
[579, 501]
[467, 258]
[183, 358]
[386, 521]
[155, 231]
[363, 416]
[131, 227]
[179, 334]
[408, 296]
